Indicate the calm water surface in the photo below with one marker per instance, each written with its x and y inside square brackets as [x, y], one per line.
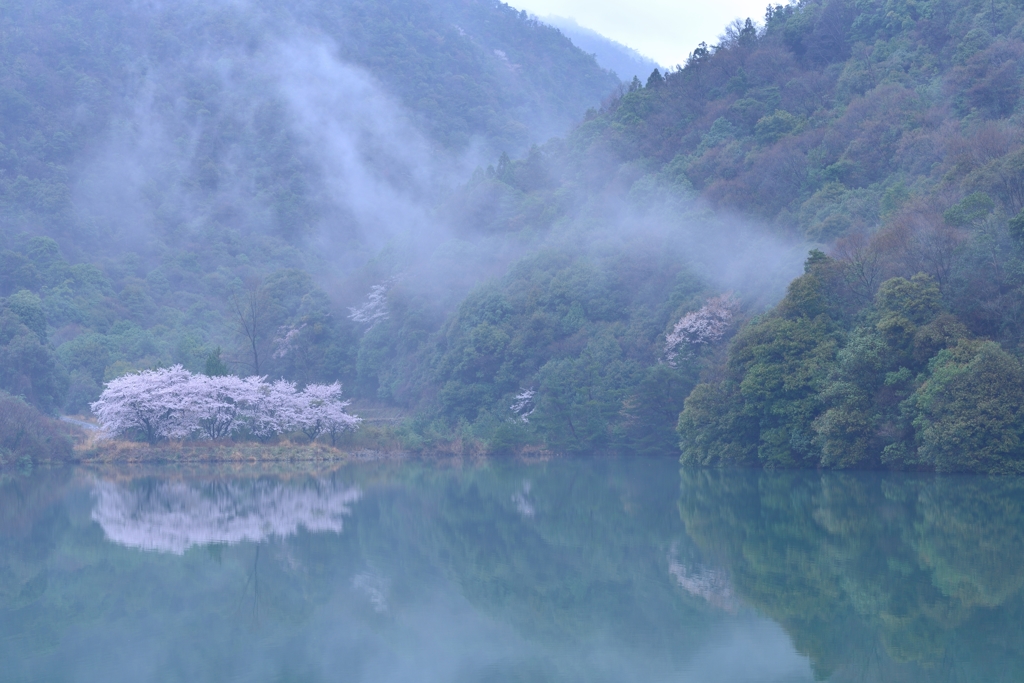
[570, 570]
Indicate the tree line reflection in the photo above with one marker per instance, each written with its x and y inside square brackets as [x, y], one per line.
[871, 576]
[890, 572]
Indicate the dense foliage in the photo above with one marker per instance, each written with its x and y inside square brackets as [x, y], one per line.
[827, 380]
[70, 71]
[890, 133]
[834, 116]
[28, 365]
[152, 160]
[539, 303]
[887, 133]
[580, 335]
[28, 436]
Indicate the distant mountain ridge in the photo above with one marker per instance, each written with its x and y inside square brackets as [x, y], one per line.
[621, 59]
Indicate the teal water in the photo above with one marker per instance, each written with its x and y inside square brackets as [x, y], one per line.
[567, 570]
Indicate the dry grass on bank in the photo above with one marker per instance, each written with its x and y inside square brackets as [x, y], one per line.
[101, 451]
[380, 437]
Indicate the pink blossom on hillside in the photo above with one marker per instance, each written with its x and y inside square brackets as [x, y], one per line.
[375, 309]
[703, 326]
[523, 405]
[286, 340]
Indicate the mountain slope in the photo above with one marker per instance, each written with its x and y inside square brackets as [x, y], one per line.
[581, 295]
[154, 156]
[887, 134]
[624, 61]
[205, 80]
[891, 134]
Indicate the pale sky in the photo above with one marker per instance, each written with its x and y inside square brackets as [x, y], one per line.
[664, 30]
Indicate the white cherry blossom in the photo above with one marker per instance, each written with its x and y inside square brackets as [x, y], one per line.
[323, 411]
[703, 326]
[147, 402]
[375, 309]
[173, 403]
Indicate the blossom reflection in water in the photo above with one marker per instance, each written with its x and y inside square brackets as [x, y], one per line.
[173, 516]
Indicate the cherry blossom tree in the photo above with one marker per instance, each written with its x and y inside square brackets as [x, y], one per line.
[274, 408]
[375, 309]
[523, 405]
[322, 410]
[181, 417]
[220, 403]
[701, 327]
[173, 403]
[338, 420]
[149, 402]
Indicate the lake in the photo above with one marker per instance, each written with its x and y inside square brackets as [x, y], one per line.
[598, 569]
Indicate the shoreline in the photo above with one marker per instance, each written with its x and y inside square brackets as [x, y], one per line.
[128, 452]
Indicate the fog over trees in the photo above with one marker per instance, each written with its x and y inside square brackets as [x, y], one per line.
[479, 214]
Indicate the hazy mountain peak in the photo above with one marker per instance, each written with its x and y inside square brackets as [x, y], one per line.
[612, 55]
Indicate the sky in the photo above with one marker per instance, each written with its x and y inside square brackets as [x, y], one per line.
[664, 30]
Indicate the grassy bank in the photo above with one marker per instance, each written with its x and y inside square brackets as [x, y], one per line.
[112, 451]
[31, 439]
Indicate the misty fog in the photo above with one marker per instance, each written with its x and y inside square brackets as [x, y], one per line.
[370, 177]
[304, 149]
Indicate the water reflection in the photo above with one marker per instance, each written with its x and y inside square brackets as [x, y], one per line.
[874, 576]
[708, 583]
[375, 588]
[574, 570]
[173, 516]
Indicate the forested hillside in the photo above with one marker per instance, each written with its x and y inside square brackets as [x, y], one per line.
[899, 147]
[569, 296]
[888, 135]
[155, 157]
[119, 116]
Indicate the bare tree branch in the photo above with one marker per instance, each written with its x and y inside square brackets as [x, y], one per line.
[251, 306]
